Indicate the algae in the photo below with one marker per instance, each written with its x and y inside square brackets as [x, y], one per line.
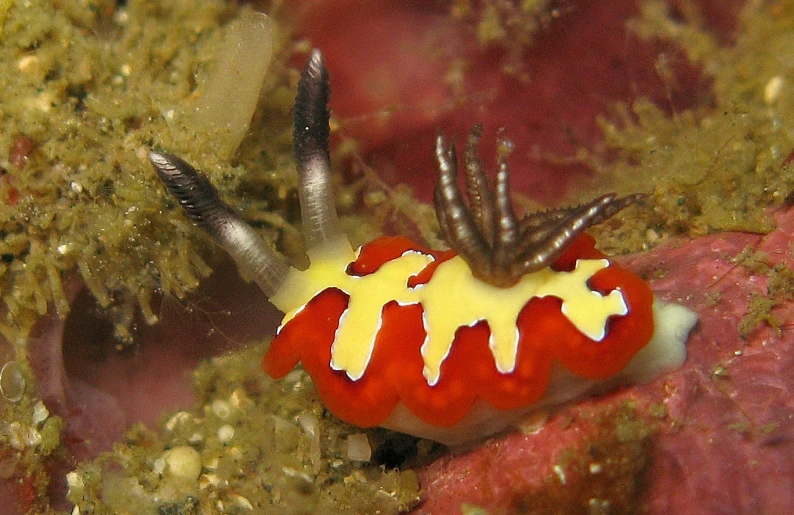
[761, 306]
[262, 445]
[509, 26]
[779, 290]
[716, 166]
[90, 87]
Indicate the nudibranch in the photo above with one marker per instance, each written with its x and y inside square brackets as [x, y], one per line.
[448, 345]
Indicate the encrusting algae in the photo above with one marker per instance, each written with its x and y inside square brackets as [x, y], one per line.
[92, 88]
[88, 88]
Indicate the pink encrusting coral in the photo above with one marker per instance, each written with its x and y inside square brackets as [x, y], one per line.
[725, 418]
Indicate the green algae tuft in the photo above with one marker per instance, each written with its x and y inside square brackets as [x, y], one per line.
[720, 165]
[87, 89]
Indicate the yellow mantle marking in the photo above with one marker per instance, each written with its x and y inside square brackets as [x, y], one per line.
[452, 299]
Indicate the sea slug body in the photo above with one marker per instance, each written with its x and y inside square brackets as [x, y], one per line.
[449, 345]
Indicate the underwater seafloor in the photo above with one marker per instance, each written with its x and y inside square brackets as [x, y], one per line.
[130, 349]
